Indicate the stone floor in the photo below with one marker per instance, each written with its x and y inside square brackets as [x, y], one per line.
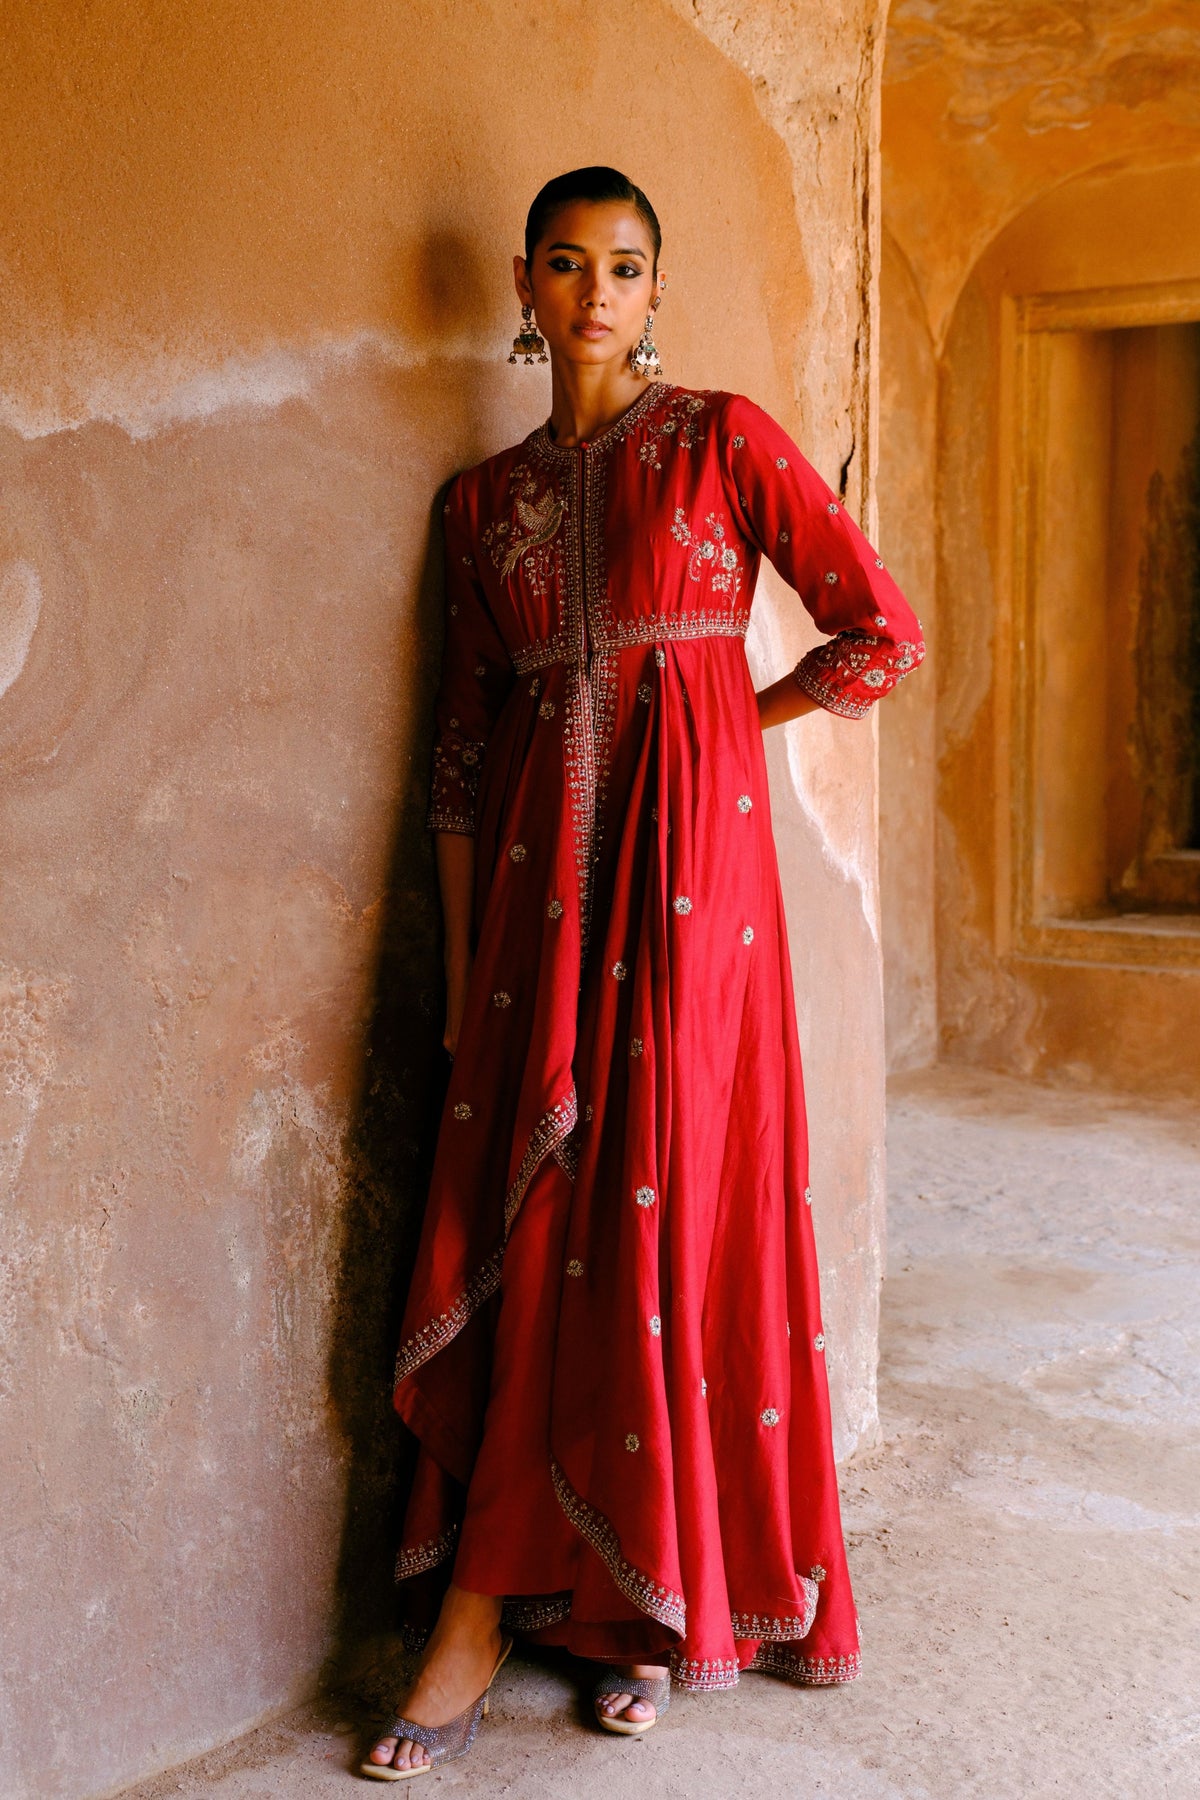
[1024, 1541]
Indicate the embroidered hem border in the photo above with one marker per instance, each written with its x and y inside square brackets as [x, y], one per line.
[650, 1596]
[424, 1556]
[806, 1671]
[436, 1333]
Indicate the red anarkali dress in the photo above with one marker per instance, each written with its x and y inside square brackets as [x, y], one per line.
[612, 1353]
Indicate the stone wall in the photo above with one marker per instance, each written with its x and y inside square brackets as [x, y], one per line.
[256, 303]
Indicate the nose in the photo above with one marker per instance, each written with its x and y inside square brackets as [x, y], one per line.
[593, 291]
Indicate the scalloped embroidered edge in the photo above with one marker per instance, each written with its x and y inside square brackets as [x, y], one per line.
[436, 1333]
[649, 1596]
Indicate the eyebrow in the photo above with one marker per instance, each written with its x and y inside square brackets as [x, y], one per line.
[583, 252]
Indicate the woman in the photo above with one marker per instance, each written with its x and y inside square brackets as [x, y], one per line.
[612, 1349]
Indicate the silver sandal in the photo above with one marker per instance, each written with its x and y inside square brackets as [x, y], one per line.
[654, 1688]
[444, 1742]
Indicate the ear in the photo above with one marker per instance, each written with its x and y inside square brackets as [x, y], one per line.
[521, 281]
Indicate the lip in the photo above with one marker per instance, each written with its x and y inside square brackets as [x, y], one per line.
[592, 330]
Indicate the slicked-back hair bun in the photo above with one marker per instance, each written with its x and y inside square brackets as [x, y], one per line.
[597, 184]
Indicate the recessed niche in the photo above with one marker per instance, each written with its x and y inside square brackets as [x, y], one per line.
[1110, 652]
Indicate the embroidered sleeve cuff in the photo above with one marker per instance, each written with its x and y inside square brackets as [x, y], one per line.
[443, 818]
[853, 670]
[455, 777]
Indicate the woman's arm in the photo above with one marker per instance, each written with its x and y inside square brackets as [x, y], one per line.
[785, 699]
[455, 852]
[782, 505]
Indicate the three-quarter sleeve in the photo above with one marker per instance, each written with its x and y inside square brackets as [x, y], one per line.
[797, 521]
[477, 675]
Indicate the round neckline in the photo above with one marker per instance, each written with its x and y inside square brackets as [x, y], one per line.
[599, 438]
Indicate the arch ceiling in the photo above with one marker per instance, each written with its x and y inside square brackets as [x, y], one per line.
[989, 103]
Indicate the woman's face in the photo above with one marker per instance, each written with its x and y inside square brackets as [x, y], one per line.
[590, 281]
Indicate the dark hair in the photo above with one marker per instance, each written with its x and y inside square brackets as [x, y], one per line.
[597, 184]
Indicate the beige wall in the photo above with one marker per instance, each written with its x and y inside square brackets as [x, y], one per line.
[256, 305]
[907, 748]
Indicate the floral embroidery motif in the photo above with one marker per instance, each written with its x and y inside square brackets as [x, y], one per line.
[819, 1340]
[481, 668]
[744, 803]
[808, 1196]
[817, 1572]
[574, 1267]
[501, 999]
[555, 909]
[739, 442]
[681, 903]
[880, 620]
[855, 659]
[831, 576]
[831, 506]
[703, 1386]
[769, 1416]
[726, 572]
[784, 538]
[655, 1325]
[635, 1046]
[537, 513]
[645, 691]
[632, 1441]
[453, 782]
[464, 1110]
[680, 426]
[879, 562]
[535, 686]
[660, 656]
[645, 1196]
[587, 1113]
[546, 709]
[619, 971]
[781, 462]
[518, 853]
[747, 934]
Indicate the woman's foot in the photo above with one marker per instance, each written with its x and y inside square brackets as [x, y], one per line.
[455, 1669]
[628, 1706]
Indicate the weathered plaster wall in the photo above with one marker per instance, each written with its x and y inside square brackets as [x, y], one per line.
[1111, 1020]
[907, 748]
[988, 104]
[255, 307]
[989, 111]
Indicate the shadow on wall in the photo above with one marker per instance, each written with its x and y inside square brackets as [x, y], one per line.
[439, 295]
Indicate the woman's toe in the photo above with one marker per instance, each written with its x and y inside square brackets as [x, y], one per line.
[383, 1751]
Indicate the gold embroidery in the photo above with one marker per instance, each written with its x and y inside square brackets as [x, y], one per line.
[424, 1556]
[659, 1602]
[726, 572]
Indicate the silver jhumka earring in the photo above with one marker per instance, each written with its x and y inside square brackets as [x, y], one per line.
[529, 341]
[643, 358]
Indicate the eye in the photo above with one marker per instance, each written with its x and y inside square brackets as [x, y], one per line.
[628, 270]
[563, 263]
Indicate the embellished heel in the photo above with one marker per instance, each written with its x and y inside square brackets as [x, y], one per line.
[655, 1689]
[444, 1743]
